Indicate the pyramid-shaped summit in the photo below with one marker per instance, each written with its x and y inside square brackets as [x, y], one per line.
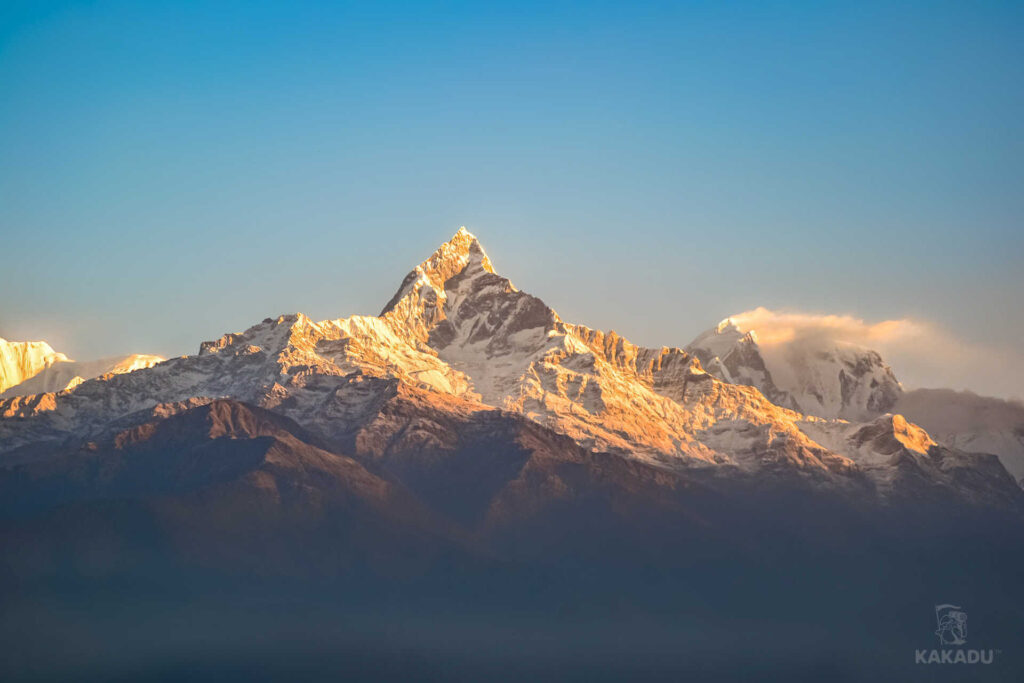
[518, 354]
[462, 251]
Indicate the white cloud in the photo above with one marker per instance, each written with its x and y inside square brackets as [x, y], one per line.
[921, 353]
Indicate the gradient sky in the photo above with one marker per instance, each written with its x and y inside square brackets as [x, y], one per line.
[173, 171]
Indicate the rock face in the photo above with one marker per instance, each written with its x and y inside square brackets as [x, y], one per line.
[64, 374]
[465, 340]
[821, 377]
[21, 360]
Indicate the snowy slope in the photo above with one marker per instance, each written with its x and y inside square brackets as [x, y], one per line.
[67, 374]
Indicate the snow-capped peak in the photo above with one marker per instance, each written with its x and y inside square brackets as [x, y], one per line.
[733, 355]
[418, 305]
[720, 339]
[813, 374]
[462, 251]
[21, 360]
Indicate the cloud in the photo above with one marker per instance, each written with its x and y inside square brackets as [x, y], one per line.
[776, 327]
[921, 353]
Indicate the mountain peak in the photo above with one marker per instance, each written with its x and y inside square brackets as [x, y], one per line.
[463, 252]
[22, 360]
[813, 374]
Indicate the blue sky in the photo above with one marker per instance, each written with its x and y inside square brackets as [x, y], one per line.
[173, 171]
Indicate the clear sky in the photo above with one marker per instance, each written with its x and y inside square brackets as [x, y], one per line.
[173, 171]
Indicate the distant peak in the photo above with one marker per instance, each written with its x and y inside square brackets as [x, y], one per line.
[30, 345]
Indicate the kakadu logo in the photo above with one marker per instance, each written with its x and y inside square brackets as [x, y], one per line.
[951, 622]
[952, 625]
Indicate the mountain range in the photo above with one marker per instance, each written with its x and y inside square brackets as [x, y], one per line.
[836, 379]
[469, 431]
[459, 334]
